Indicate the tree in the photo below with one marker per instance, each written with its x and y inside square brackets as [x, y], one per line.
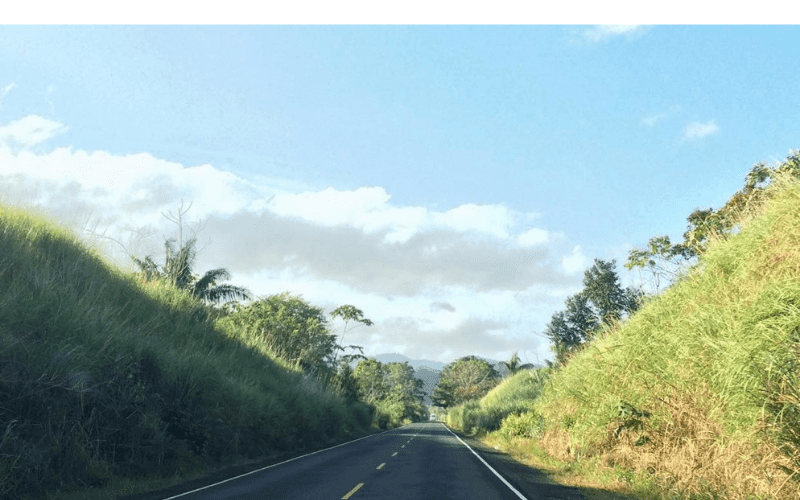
[346, 382]
[349, 314]
[392, 388]
[603, 301]
[371, 381]
[463, 380]
[603, 290]
[571, 328]
[661, 258]
[178, 269]
[291, 327]
[402, 383]
[513, 365]
[442, 395]
[406, 389]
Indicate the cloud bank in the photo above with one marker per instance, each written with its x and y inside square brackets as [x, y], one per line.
[470, 279]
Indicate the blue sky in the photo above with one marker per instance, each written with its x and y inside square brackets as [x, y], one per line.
[452, 181]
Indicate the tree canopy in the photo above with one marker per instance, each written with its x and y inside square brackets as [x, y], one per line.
[291, 327]
[602, 301]
[349, 314]
[392, 388]
[463, 380]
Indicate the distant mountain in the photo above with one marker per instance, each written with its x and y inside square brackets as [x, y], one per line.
[429, 379]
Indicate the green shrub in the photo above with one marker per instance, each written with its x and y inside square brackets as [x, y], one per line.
[526, 425]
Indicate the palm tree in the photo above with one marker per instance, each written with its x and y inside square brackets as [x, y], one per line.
[512, 366]
[177, 270]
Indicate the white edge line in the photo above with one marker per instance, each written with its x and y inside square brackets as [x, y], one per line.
[520, 495]
[275, 465]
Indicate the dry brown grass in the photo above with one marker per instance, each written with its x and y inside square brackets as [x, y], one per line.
[556, 443]
[684, 452]
[687, 455]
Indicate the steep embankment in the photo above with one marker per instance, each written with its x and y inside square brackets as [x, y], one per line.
[104, 379]
[697, 392]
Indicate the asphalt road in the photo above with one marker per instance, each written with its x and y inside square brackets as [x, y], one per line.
[418, 461]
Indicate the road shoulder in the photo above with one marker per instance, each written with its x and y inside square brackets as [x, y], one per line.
[535, 484]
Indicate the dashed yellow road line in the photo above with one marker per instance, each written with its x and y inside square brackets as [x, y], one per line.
[394, 454]
[403, 446]
[381, 465]
[352, 492]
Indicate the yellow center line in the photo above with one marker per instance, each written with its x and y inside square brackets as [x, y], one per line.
[403, 446]
[394, 454]
[381, 465]
[352, 492]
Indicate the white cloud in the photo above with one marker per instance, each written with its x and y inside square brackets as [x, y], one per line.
[603, 32]
[365, 208]
[495, 220]
[30, 130]
[533, 237]
[368, 209]
[576, 262]
[121, 191]
[697, 130]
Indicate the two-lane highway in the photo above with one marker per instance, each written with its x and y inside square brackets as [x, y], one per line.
[417, 461]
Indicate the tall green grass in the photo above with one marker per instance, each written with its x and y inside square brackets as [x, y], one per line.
[104, 377]
[697, 392]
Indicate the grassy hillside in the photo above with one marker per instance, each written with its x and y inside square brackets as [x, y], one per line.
[696, 396]
[105, 380]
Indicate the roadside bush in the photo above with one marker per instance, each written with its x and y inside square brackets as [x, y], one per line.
[389, 414]
[465, 416]
[529, 425]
